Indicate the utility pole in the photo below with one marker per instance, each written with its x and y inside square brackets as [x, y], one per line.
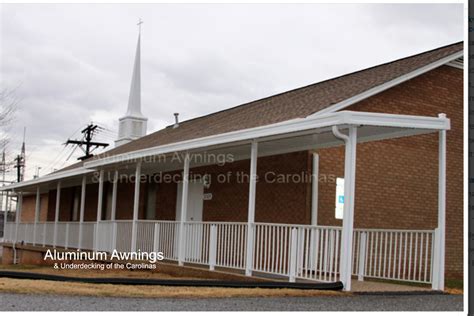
[21, 160]
[19, 167]
[87, 145]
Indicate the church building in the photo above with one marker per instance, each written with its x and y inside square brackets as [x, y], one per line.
[359, 176]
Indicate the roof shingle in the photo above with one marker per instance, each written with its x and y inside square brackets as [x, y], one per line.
[297, 103]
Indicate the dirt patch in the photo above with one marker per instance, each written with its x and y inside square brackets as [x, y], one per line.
[454, 291]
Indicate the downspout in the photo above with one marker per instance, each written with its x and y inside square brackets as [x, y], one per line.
[338, 134]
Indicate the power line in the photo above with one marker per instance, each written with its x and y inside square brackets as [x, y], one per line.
[62, 151]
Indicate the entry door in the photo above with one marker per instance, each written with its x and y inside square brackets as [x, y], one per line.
[194, 233]
[195, 201]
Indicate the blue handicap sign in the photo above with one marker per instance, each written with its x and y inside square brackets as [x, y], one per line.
[341, 199]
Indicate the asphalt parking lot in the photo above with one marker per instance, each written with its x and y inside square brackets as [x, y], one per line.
[411, 302]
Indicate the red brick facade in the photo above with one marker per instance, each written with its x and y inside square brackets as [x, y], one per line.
[396, 180]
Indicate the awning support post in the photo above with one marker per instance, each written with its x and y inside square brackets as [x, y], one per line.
[113, 213]
[251, 207]
[37, 210]
[349, 197]
[184, 211]
[99, 209]
[81, 210]
[136, 204]
[56, 214]
[440, 232]
[19, 205]
[314, 209]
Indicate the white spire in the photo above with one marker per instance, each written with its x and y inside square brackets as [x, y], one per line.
[134, 99]
[133, 124]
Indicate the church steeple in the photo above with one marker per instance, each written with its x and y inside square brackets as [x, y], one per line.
[133, 125]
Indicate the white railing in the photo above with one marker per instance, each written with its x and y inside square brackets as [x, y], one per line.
[166, 238]
[49, 235]
[105, 236]
[9, 232]
[404, 255]
[197, 241]
[145, 235]
[265, 258]
[229, 244]
[88, 235]
[293, 251]
[73, 235]
[318, 253]
[297, 251]
[123, 235]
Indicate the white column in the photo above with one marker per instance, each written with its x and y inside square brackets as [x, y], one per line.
[56, 213]
[314, 190]
[99, 209]
[440, 236]
[314, 209]
[37, 210]
[251, 207]
[114, 197]
[349, 197]
[81, 209]
[184, 211]
[19, 205]
[113, 213]
[136, 203]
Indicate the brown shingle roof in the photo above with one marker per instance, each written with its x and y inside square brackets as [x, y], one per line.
[292, 104]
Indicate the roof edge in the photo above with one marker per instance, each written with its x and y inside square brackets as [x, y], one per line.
[387, 85]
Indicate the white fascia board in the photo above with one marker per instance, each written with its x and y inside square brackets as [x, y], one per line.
[47, 178]
[380, 88]
[287, 127]
[396, 120]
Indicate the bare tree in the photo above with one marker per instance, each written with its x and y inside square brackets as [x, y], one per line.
[8, 105]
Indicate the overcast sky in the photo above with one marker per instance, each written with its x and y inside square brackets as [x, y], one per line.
[71, 64]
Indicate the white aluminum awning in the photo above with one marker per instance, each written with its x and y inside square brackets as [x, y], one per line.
[288, 136]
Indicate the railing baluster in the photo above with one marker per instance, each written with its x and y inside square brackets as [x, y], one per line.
[385, 254]
[405, 255]
[426, 255]
[409, 258]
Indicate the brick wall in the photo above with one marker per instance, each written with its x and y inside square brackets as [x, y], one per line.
[397, 180]
[29, 205]
[275, 202]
